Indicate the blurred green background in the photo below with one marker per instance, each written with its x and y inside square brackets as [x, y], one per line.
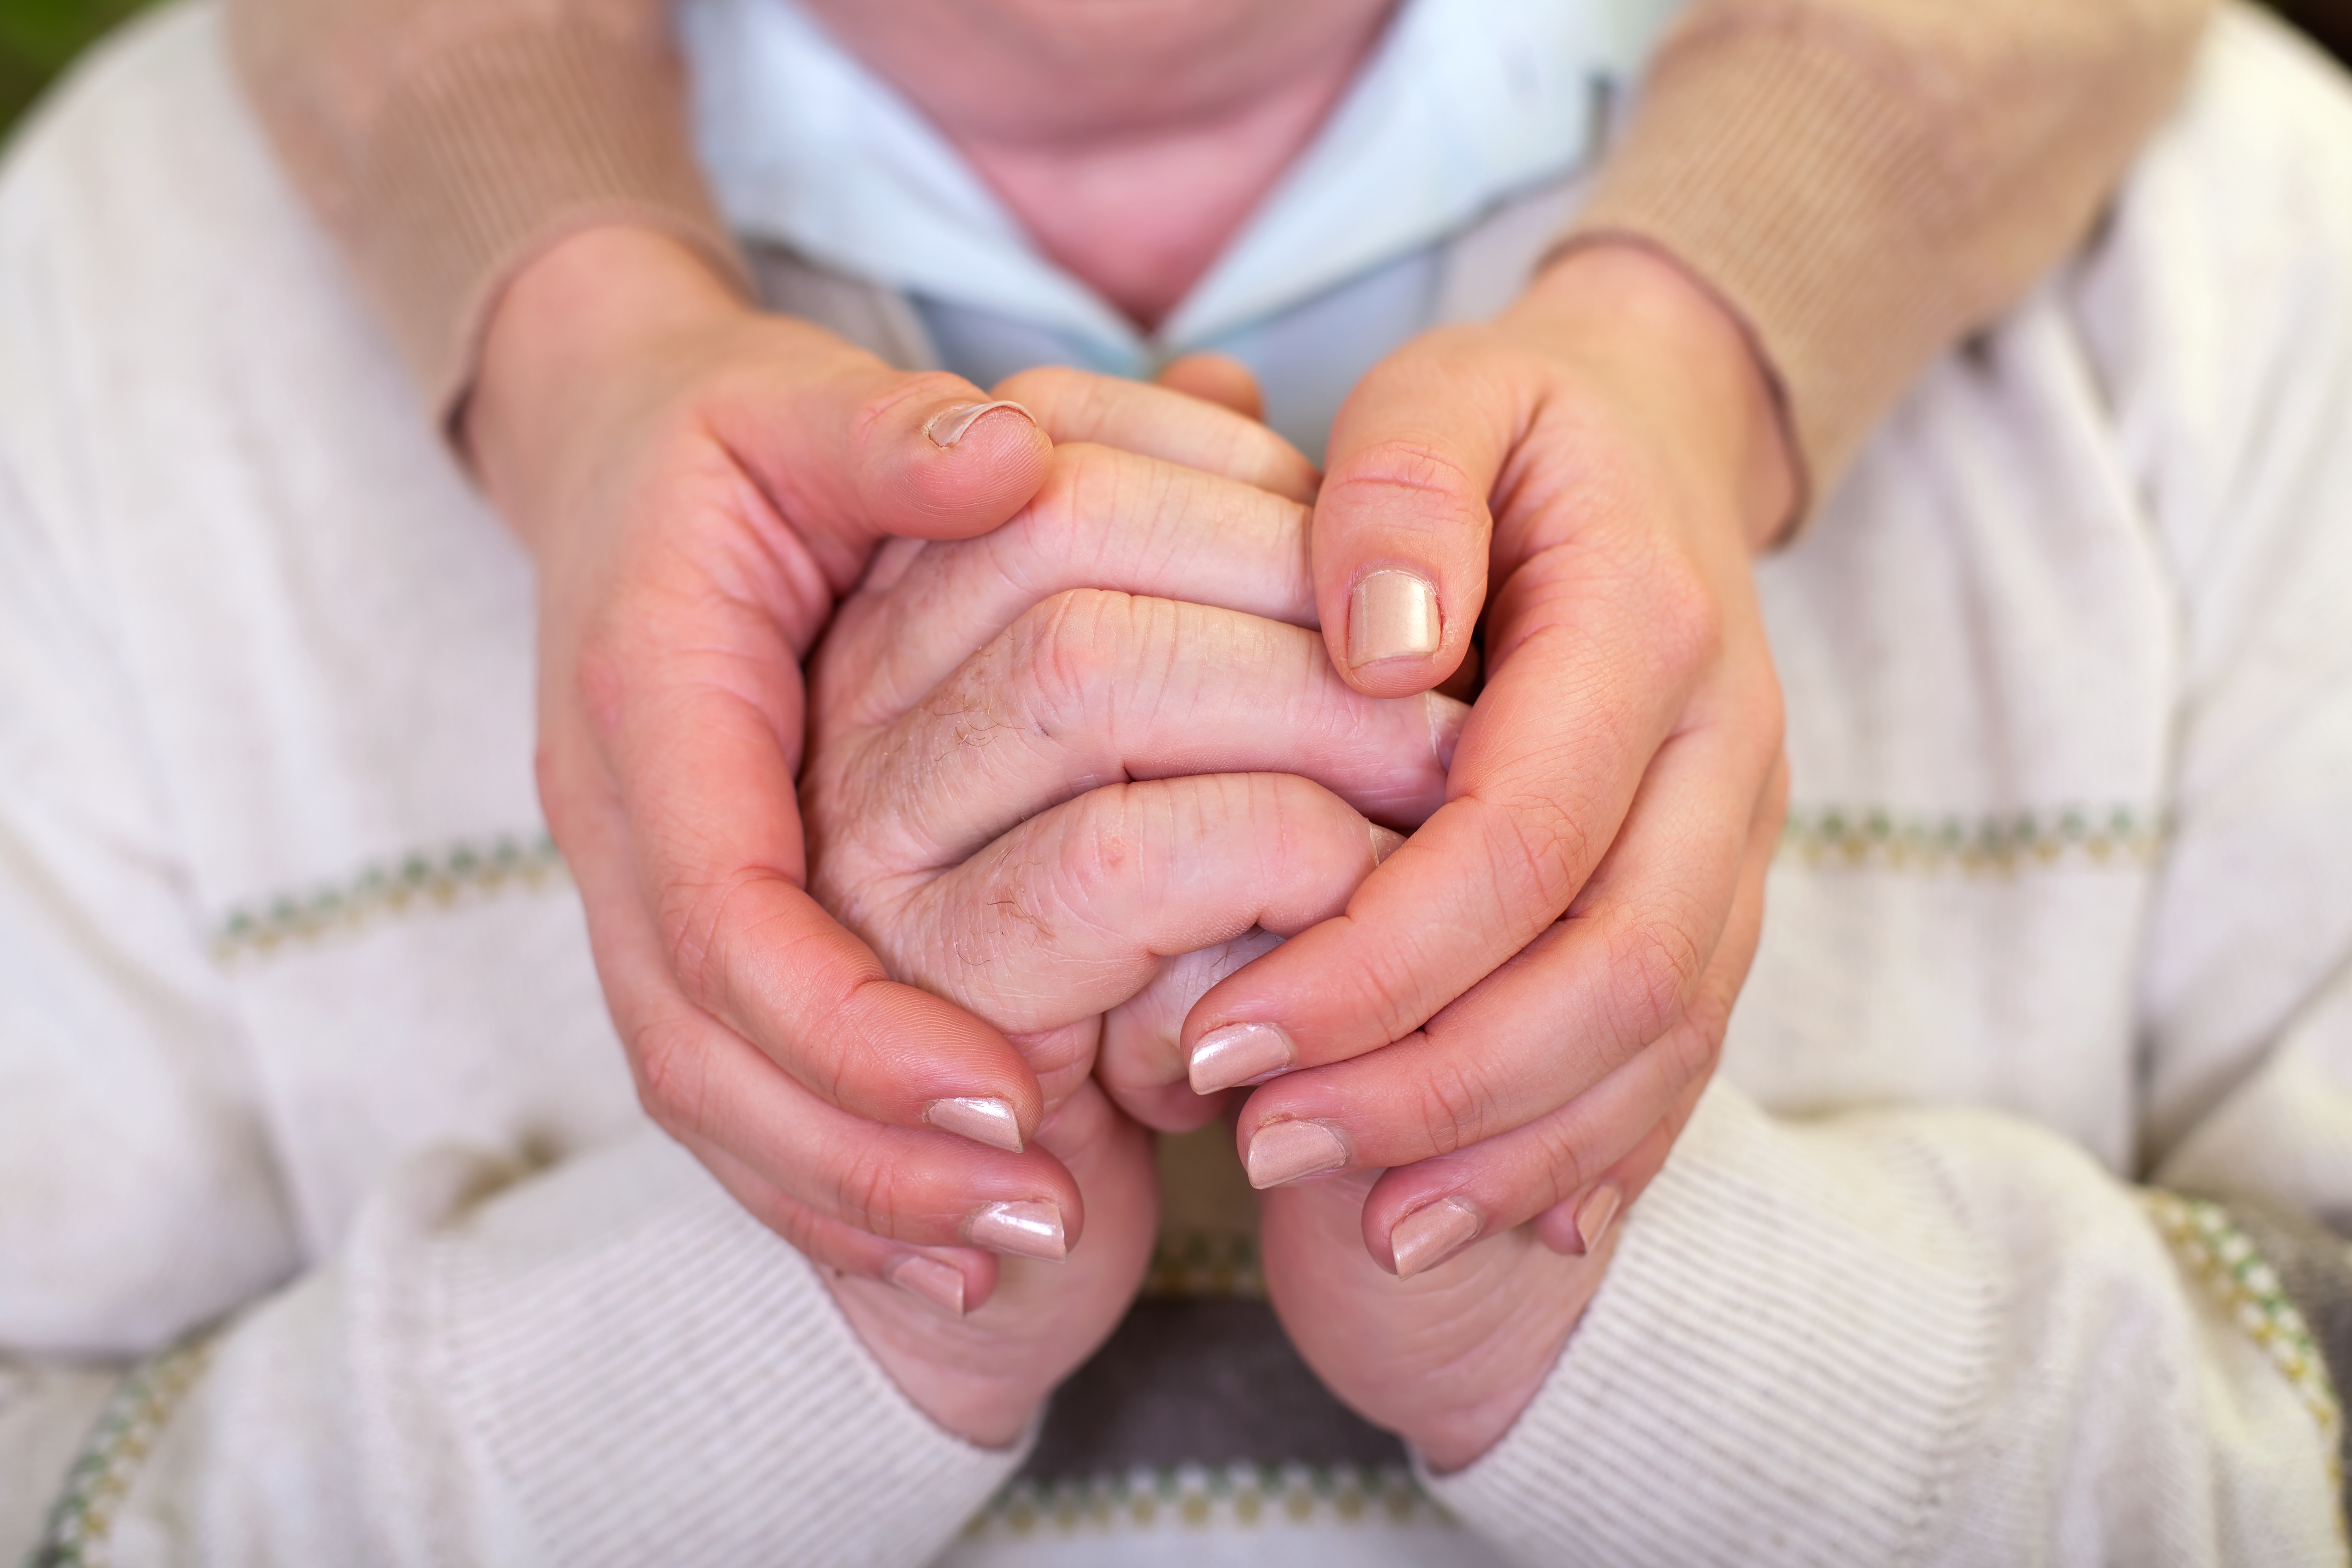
[38, 37]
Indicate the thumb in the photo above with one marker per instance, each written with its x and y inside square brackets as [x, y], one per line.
[1401, 531]
[859, 451]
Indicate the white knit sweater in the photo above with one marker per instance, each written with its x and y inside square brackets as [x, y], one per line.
[297, 1023]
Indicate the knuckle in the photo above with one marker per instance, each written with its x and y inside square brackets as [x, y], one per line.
[1398, 471]
[1565, 1161]
[1061, 528]
[866, 1190]
[1457, 1103]
[1099, 855]
[670, 1077]
[1654, 964]
[1065, 653]
[1051, 392]
[697, 922]
[1693, 1048]
[1685, 616]
[1542, 845]
[1387, 992]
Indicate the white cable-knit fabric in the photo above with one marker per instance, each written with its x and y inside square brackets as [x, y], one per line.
[297, 1024]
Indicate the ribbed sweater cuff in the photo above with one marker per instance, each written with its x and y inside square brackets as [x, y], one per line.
[494, 149]
[1759, 1382]
[656, 1377]
[1795, 181]
[1863, 201]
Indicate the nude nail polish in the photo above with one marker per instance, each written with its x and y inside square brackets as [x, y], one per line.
[984, 1120]
[1428, 1236]
[1024, 1229]
[1596, 1214]
[950, 425]
[1285, 1150]
[1238, 1054]
[1392, 614]
[929, 1280]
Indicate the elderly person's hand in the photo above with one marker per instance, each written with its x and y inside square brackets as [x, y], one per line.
[698, 480]
[1047, 762]
[1039, 786]
[1031, 828]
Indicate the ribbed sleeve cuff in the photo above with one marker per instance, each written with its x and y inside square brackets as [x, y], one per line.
[652, 1376]
[1759, 1380]
[498, 146]
[1865, 197]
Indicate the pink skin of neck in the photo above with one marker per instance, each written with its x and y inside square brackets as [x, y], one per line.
[1131, 138]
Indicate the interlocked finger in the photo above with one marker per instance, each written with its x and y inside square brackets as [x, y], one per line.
[1105, 519]
[1588, 995]
[1092, 687]
[1202, 416]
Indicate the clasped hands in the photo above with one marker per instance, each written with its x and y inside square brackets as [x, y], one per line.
[1108, 799]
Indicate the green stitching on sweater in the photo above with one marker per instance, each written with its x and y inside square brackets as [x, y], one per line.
[2120, 837]
[82, 1523]
[416, 884]
[1860, 837]
[1196, 1497]
[2222, 1258]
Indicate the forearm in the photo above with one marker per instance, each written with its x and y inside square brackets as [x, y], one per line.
[1866, 181]
[609, 1361]
[1983, 1338]
[447, 143]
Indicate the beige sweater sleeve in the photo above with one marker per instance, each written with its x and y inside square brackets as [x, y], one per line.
[1863, 180]
[1866, 181]
[445, 143]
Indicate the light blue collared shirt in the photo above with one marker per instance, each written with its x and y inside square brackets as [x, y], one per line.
[1462, 105]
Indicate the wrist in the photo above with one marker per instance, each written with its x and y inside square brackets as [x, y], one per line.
[1512, 1362]
[1637, 310]
[585, 317]
[970, 1380]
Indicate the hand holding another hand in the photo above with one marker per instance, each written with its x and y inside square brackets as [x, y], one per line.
[694, 518]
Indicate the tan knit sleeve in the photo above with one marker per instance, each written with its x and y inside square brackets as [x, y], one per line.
[445, 143]
[1862, 180]
[1866, 181]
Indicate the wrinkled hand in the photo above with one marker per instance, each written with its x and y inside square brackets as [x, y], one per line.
[1607, 456]
[1041, 830]
[1034, 781]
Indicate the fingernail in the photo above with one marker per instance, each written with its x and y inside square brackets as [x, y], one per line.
[1392, 614]
[950, 423]
[1284, 1151]
[930, 1279]
[1386, 841]
[984, 1120]
[1430, 1235]
[1024, 1229]
[1238, 1053]
[1446, 718]
[1595, 1215]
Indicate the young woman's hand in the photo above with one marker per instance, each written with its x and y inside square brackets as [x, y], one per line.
[698, 482]
[1450, 1342]
[1592, 471]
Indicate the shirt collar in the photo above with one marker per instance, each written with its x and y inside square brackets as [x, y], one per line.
[1462, 103]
